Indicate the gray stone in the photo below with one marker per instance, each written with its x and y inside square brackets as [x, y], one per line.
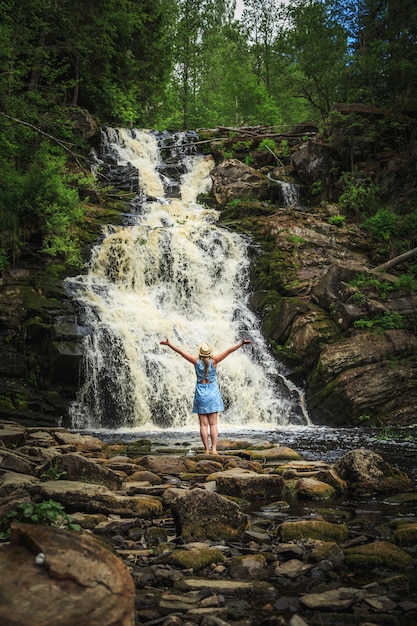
[333, 600]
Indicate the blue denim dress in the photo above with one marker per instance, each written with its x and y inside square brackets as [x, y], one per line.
[207, 398]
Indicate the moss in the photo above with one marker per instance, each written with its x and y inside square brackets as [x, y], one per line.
[379, 554]
[195, 559]
[156, 534]
[217, 530]
[315, 529]
[327, 551]
[406, 535]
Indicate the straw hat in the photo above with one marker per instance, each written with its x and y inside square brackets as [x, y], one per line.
[205, 350]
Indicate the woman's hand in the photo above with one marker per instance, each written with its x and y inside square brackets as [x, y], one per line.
[164, 343]
[244, 341]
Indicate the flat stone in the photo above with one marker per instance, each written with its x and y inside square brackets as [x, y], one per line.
[98, 499]
[381, 603]
[292, 568]
[84, 443]
[333, 600]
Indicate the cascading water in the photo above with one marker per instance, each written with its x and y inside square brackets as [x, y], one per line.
[170, 272]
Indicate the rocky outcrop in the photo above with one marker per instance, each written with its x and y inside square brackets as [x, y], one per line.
[191, 553]
[323, 312]
[233, 179]
[40, 348]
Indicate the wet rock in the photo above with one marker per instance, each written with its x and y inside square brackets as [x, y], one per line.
[195, 559]
[248, 567]
[199, 514]
[379, 554]
[78, 496]
[232, 180]
[248, 485]
[78, 581]
[313, 489]
[406, 535]
[367, 472]
[207, 467]
[327, 551]
[144, 475]
[313, 529]
[333, 600]
[164, 464]
[279, 453]
[292, 569]
[83, 443]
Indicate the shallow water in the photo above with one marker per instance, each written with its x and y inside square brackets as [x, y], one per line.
[313, 443]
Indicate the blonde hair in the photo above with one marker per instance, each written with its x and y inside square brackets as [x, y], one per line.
[205, 352]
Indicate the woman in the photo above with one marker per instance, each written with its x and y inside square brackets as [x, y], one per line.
[207, 399]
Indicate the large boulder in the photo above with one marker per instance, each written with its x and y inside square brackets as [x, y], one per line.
[313, 161]
[367, 472]
[200, 514]
[78, 496]
[52, 576]
[233, 180]
[248, 485]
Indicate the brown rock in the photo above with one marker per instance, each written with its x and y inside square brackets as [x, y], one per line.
[233, 179]
[365, 472]
[78, 496]
[76, 467]
[248, 485]
[78, 581]
[199, 514]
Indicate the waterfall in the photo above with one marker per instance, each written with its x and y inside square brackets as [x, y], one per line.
[290, 194]
[170, 271]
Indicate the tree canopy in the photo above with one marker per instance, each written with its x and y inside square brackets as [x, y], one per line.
[178, 64]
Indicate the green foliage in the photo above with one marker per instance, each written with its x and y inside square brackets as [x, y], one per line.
[359, 195]
[317, 188]
[53, 472]
[45, 513]
[41, 199]
[370, 282]
[383, 225]
[285, 149]
[337, 220]
[268, 144]
[387, 321]
[392, 433]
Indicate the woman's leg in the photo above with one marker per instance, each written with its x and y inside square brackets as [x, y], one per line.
[214, 431]
[204, 424]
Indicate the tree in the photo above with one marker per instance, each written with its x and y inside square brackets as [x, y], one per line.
[317, 45]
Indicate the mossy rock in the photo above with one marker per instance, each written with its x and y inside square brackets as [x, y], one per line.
[327, 551]
[313, 529]
[195, 559]
[379, 554]
[156, 534]
[279, 453]
[406, 535]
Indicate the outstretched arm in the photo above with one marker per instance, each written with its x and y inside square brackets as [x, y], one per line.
[223, 355]
[189, 357]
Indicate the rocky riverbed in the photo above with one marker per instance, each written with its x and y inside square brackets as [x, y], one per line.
[256, 535]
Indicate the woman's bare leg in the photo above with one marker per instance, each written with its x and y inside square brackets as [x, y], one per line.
[204, 433]
[214, 431]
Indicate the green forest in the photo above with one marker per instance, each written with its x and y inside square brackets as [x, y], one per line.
[176, 64]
